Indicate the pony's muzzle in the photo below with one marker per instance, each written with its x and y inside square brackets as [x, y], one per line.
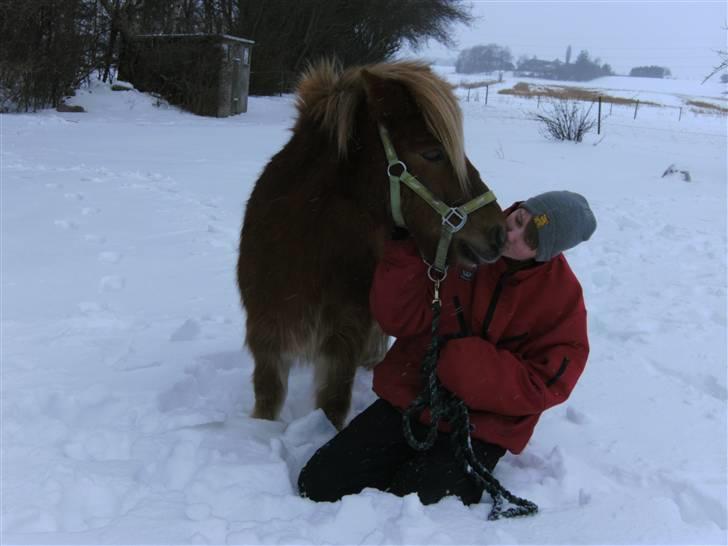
[471, 253]
[498, 234]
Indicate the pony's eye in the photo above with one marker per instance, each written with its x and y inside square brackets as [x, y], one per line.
[435, 154]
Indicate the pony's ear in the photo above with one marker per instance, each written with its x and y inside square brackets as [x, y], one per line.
[386, 98]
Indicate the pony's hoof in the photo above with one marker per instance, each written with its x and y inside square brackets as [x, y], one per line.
[337, 418]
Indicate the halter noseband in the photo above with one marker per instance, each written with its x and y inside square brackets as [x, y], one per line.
[453, 218]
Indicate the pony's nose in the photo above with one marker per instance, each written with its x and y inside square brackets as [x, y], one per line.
[498, 238]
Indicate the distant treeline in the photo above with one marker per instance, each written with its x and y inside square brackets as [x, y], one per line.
[51, 46]
[492, 57]
[650, 72]
[496, 58]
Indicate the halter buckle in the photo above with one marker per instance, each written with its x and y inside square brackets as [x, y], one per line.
[460, 216]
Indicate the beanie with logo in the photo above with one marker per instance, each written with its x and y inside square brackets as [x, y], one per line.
[563, 220]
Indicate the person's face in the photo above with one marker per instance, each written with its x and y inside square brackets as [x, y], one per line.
[516, 247]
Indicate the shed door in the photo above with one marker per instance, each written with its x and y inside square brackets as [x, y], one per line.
[237, 83]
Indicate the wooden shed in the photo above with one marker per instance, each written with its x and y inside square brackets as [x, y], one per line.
[207, 74]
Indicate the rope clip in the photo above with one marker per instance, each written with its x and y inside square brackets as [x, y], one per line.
[436, 276]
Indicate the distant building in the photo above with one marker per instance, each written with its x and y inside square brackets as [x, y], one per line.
[537, 68]
[207, 74]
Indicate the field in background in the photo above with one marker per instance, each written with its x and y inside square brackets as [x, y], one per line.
[709, 99]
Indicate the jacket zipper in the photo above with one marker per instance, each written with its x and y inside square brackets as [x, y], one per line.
[492, 305]
[559, 373]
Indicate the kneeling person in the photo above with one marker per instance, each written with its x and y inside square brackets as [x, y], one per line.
[517, 346]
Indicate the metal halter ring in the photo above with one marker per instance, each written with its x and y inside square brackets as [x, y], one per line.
[395, 164]
[461, 217]
[435, 275]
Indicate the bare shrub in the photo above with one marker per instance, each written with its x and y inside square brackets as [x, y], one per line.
[565, 120]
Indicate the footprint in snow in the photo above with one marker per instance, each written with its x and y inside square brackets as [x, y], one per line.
[109, 257]
[198, 512]
[74, 196]
[112, 283]
[575, 416]
[66, 224]
[91, 307]
[189, 330]
[93, 238]
[696, 506]
[603, 280]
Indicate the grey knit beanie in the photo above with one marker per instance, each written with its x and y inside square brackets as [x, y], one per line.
[563, 220]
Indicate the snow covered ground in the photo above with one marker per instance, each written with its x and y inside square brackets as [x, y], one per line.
[126, 392]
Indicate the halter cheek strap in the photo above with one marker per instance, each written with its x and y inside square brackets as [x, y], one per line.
[453, 218]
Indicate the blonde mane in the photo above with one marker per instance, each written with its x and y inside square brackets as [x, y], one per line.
[331, 96]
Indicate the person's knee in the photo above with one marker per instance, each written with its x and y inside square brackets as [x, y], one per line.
[314, 484]
[468, 493]
[308, 482]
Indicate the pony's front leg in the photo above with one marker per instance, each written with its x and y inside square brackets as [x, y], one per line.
[270, 380]
[335, 370]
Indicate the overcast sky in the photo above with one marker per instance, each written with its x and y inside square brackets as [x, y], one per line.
[681, 35]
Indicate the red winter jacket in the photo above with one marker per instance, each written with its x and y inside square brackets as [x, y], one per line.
[526, 348]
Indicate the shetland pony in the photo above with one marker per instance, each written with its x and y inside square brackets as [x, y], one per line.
[318, 216]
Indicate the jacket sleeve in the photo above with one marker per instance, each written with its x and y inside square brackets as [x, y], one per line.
[491, 379]
[401, 292]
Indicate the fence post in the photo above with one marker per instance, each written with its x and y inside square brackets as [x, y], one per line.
[486, 94]
[538, 103]
[636, 104]
[680, 117]
[599, 119]
[611, 104]
[468, 99]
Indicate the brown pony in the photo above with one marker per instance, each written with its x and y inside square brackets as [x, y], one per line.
[319, 214]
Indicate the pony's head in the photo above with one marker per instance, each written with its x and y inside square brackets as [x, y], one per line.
[423, 118]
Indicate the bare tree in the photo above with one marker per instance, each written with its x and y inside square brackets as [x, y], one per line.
[723, 56]
[720, 67]
[48, 49]
[289, 35]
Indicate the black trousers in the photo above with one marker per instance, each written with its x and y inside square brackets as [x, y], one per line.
[373, 452]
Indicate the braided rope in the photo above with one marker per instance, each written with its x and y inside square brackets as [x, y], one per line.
[445, 405]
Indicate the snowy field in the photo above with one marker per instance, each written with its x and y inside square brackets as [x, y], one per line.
[126, 392]
[666, 92]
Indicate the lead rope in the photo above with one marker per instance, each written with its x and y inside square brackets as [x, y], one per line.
[445, 405]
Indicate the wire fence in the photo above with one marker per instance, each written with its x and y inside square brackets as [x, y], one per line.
[605, 108]
[482, 94]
